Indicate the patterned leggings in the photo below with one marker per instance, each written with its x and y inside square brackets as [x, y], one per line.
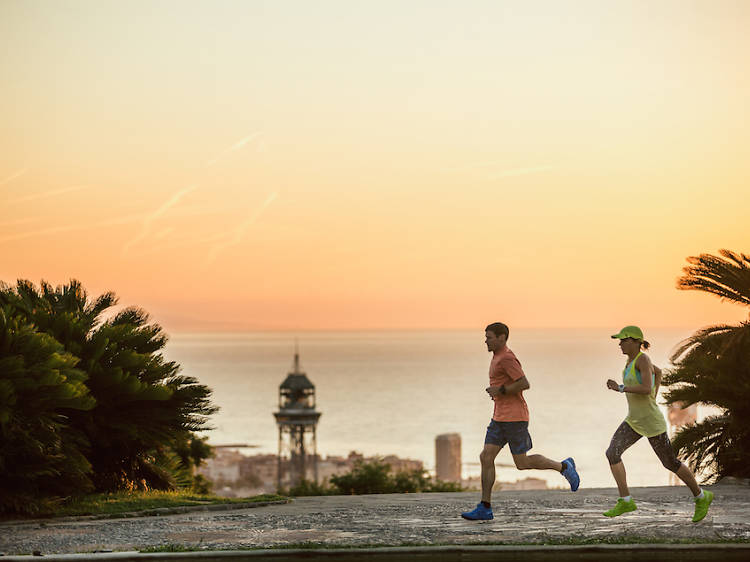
[625, 436]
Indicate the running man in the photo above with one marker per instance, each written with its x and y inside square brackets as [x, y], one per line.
[510, 422]
[644, 420]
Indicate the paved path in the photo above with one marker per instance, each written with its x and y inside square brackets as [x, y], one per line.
[398, 519]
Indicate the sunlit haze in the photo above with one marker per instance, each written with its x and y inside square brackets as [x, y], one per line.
[233, 166]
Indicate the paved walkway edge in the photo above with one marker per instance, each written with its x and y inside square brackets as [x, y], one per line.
[145, 512]
[619, 552]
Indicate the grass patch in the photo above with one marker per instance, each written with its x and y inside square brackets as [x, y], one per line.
[171, 548]
[583, 541]
[572, 541]
[123, 502]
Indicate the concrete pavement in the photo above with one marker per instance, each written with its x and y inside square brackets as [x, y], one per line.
[529, 517]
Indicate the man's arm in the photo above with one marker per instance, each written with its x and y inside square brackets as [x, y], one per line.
[515, 387]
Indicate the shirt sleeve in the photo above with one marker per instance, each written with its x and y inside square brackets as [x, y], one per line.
[512, 368]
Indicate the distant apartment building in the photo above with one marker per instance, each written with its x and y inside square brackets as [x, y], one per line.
[223, 467]
[525, 484]
[402, 465]
[475, 483]
[448, 457]
[333, 466]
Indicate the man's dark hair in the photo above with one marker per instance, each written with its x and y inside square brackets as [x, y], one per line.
[498, 328]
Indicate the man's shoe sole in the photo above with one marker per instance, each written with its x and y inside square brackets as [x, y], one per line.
[477, 518]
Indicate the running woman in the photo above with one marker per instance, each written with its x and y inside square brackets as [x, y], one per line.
[510, 422]
[640, 383]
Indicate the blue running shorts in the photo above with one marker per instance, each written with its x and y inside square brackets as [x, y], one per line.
[515, 434]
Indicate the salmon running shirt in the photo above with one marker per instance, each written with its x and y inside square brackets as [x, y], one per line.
[505, 369]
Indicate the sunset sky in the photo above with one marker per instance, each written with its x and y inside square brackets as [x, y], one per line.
[377, 165]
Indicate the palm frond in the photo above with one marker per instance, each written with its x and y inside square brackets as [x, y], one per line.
[700, 338]
[700, 444]
[728, 278]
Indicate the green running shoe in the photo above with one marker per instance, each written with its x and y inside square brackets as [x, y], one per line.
[622, 507]
[701, 505]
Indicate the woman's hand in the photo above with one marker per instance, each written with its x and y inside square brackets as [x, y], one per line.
[612, 385]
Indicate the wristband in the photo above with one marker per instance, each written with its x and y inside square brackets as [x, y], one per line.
[502, 389]
[621, 387]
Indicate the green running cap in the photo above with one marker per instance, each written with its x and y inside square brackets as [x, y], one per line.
[629, 332]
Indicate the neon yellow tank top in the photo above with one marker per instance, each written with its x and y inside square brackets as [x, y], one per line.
[644, 415]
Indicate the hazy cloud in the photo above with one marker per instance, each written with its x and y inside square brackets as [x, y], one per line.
[147, 222]
[473, 166]
[72, 228]
[235, 237]
[17, 221]
[519, 172]
[13, 176]
[180, 243]
[164, 232]
[236, 146]
[46, 194]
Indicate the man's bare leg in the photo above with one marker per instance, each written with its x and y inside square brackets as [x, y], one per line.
[538, 462]
[487, 459]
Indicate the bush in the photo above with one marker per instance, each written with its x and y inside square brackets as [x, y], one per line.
[40, 458]
[135, 428]
[366, 478]
[374, 477]
[308, 488]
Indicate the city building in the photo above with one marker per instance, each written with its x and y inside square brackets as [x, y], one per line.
[236, 475]
[448, 457]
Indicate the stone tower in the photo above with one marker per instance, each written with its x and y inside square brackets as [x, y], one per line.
[297, 420]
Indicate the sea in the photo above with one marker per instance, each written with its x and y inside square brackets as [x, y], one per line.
[383, 393]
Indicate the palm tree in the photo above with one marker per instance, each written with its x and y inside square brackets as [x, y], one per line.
[144, 406]
[713, 367]
[41, 459]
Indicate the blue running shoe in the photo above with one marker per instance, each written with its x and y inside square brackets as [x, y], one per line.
[479, 513]
[570, 473]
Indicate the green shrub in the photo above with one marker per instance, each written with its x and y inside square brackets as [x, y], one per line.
[40, 457]
[374, 477]
[308, 488]
[138, 430]
[365, 478]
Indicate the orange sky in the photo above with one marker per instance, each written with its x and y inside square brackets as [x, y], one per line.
[352, 165]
